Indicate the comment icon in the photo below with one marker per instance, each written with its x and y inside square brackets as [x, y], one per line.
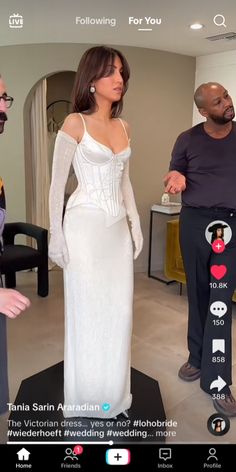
[218, 308]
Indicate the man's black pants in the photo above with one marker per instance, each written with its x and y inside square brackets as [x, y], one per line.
[206, 329]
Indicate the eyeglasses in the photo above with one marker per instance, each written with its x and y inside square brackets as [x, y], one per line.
[8, 100]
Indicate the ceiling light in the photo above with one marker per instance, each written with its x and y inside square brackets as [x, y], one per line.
[196, 26]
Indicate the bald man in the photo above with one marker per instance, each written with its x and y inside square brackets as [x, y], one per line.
[12, 303]
[203, 168]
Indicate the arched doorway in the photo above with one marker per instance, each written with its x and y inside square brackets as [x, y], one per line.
[46, 107]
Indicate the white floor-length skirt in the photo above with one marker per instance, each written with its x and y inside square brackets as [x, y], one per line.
[98, 287]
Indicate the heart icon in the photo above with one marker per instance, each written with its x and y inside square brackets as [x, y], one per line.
[218, 271]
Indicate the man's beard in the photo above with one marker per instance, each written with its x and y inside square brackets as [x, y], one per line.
[222, 120]
[3, 119]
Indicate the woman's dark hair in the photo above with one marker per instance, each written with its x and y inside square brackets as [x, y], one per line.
[93, 66]
[214, 235]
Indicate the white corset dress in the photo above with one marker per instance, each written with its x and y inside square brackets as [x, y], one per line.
[99, 173]
[98, 286]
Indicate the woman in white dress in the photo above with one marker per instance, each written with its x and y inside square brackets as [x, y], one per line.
[93, 245]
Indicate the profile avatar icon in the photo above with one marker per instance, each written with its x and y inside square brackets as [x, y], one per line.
[217, 231]
[218, 425]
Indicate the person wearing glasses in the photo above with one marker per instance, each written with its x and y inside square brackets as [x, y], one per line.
[5, 102]
[12, 302]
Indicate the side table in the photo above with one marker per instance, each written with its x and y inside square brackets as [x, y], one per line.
[168, 210]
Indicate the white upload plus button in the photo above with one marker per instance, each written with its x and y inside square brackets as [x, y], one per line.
[117, 456]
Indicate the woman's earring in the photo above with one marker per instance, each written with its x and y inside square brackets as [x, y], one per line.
[92, 89]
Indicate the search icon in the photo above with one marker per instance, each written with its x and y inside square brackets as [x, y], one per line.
[219, 20]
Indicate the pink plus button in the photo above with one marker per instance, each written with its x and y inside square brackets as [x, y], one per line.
[218, 246]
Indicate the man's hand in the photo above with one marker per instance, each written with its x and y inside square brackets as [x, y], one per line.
[12, 302]
[175, 182]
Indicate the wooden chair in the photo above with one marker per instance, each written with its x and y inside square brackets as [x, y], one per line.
[174, 268]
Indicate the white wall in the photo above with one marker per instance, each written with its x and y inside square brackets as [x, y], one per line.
[220, 68]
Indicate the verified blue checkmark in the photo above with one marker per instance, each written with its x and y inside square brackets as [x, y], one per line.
[106, 407]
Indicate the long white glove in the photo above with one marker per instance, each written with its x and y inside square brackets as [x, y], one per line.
[129, 201]
[64, 151]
